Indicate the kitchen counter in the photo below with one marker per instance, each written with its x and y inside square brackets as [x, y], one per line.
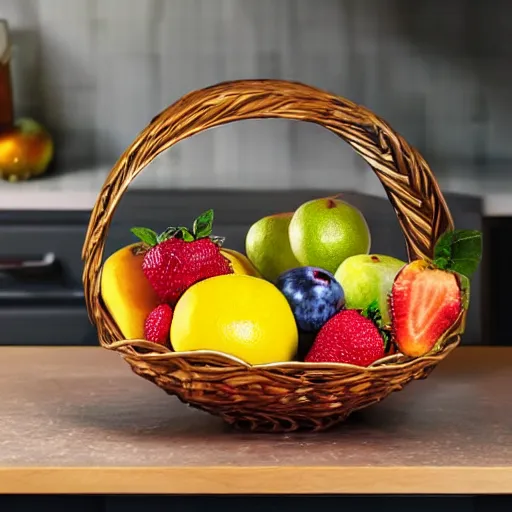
[77, 420]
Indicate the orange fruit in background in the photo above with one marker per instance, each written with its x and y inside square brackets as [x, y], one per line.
[26, 150]
[127, 294]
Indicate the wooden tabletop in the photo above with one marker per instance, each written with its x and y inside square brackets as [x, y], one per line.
[77, 420]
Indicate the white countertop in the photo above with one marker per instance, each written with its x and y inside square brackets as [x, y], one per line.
[78, 190]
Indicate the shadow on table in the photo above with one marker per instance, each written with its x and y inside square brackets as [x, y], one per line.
[149, 419]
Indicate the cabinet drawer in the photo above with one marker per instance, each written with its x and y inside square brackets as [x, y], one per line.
[35, 237]
[46, 325]
[35, 243]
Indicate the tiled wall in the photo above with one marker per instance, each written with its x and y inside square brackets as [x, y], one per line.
[96, 71]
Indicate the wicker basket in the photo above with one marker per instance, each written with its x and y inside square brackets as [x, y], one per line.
[285, 396]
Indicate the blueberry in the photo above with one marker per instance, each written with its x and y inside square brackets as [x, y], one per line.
[313, 294]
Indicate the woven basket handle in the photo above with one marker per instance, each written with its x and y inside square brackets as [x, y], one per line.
[406, 177]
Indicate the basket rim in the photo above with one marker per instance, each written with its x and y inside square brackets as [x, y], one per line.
[125, 349]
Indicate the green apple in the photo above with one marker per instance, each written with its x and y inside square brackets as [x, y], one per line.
[366, 278]
[325, 232]
[268, 247]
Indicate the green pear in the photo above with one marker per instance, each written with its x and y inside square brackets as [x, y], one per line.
[366, 278]
[325, 232]
[268, 247]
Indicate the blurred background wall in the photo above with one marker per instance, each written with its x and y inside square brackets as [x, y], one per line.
[96, 71]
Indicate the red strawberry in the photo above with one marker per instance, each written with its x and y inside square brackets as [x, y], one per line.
[348, 337]
[178, 258]
[158, 324]
[425, 303]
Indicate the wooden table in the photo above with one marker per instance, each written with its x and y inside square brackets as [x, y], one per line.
[77, 420]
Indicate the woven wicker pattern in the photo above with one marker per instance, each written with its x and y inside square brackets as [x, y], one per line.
[289, 396]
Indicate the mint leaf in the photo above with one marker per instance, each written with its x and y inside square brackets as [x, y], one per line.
[459, 250]
[148, 236]
[203, 225]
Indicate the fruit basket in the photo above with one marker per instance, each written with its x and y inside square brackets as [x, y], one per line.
[288, 395]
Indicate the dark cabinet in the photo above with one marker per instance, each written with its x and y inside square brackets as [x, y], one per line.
[41, 297]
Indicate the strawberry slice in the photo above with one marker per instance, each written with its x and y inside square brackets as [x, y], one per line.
[425, 303]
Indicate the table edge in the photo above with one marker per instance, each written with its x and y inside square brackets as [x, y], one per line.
[256, 480]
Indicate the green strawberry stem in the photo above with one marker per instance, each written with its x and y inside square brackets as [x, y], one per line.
[202, 228]
[146, 235]
[203, 225]
[372, 312]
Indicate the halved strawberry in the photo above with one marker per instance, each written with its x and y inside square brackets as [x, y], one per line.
[425, 303]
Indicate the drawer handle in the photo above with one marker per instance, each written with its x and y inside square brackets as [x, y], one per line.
[7, 264]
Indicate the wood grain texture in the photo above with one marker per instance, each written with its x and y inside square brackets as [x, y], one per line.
[74, 421]
[284, 397]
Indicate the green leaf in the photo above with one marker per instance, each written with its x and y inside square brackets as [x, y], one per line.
[459, 250]
[180, 232]
[148, 236]
[186, 234]
[203, 225]
[372, 312]
[168, 233]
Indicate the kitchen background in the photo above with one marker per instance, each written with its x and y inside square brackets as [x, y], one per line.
[95, 72]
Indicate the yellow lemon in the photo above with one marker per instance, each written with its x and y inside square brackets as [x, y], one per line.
[240, 263]
[240, 315]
